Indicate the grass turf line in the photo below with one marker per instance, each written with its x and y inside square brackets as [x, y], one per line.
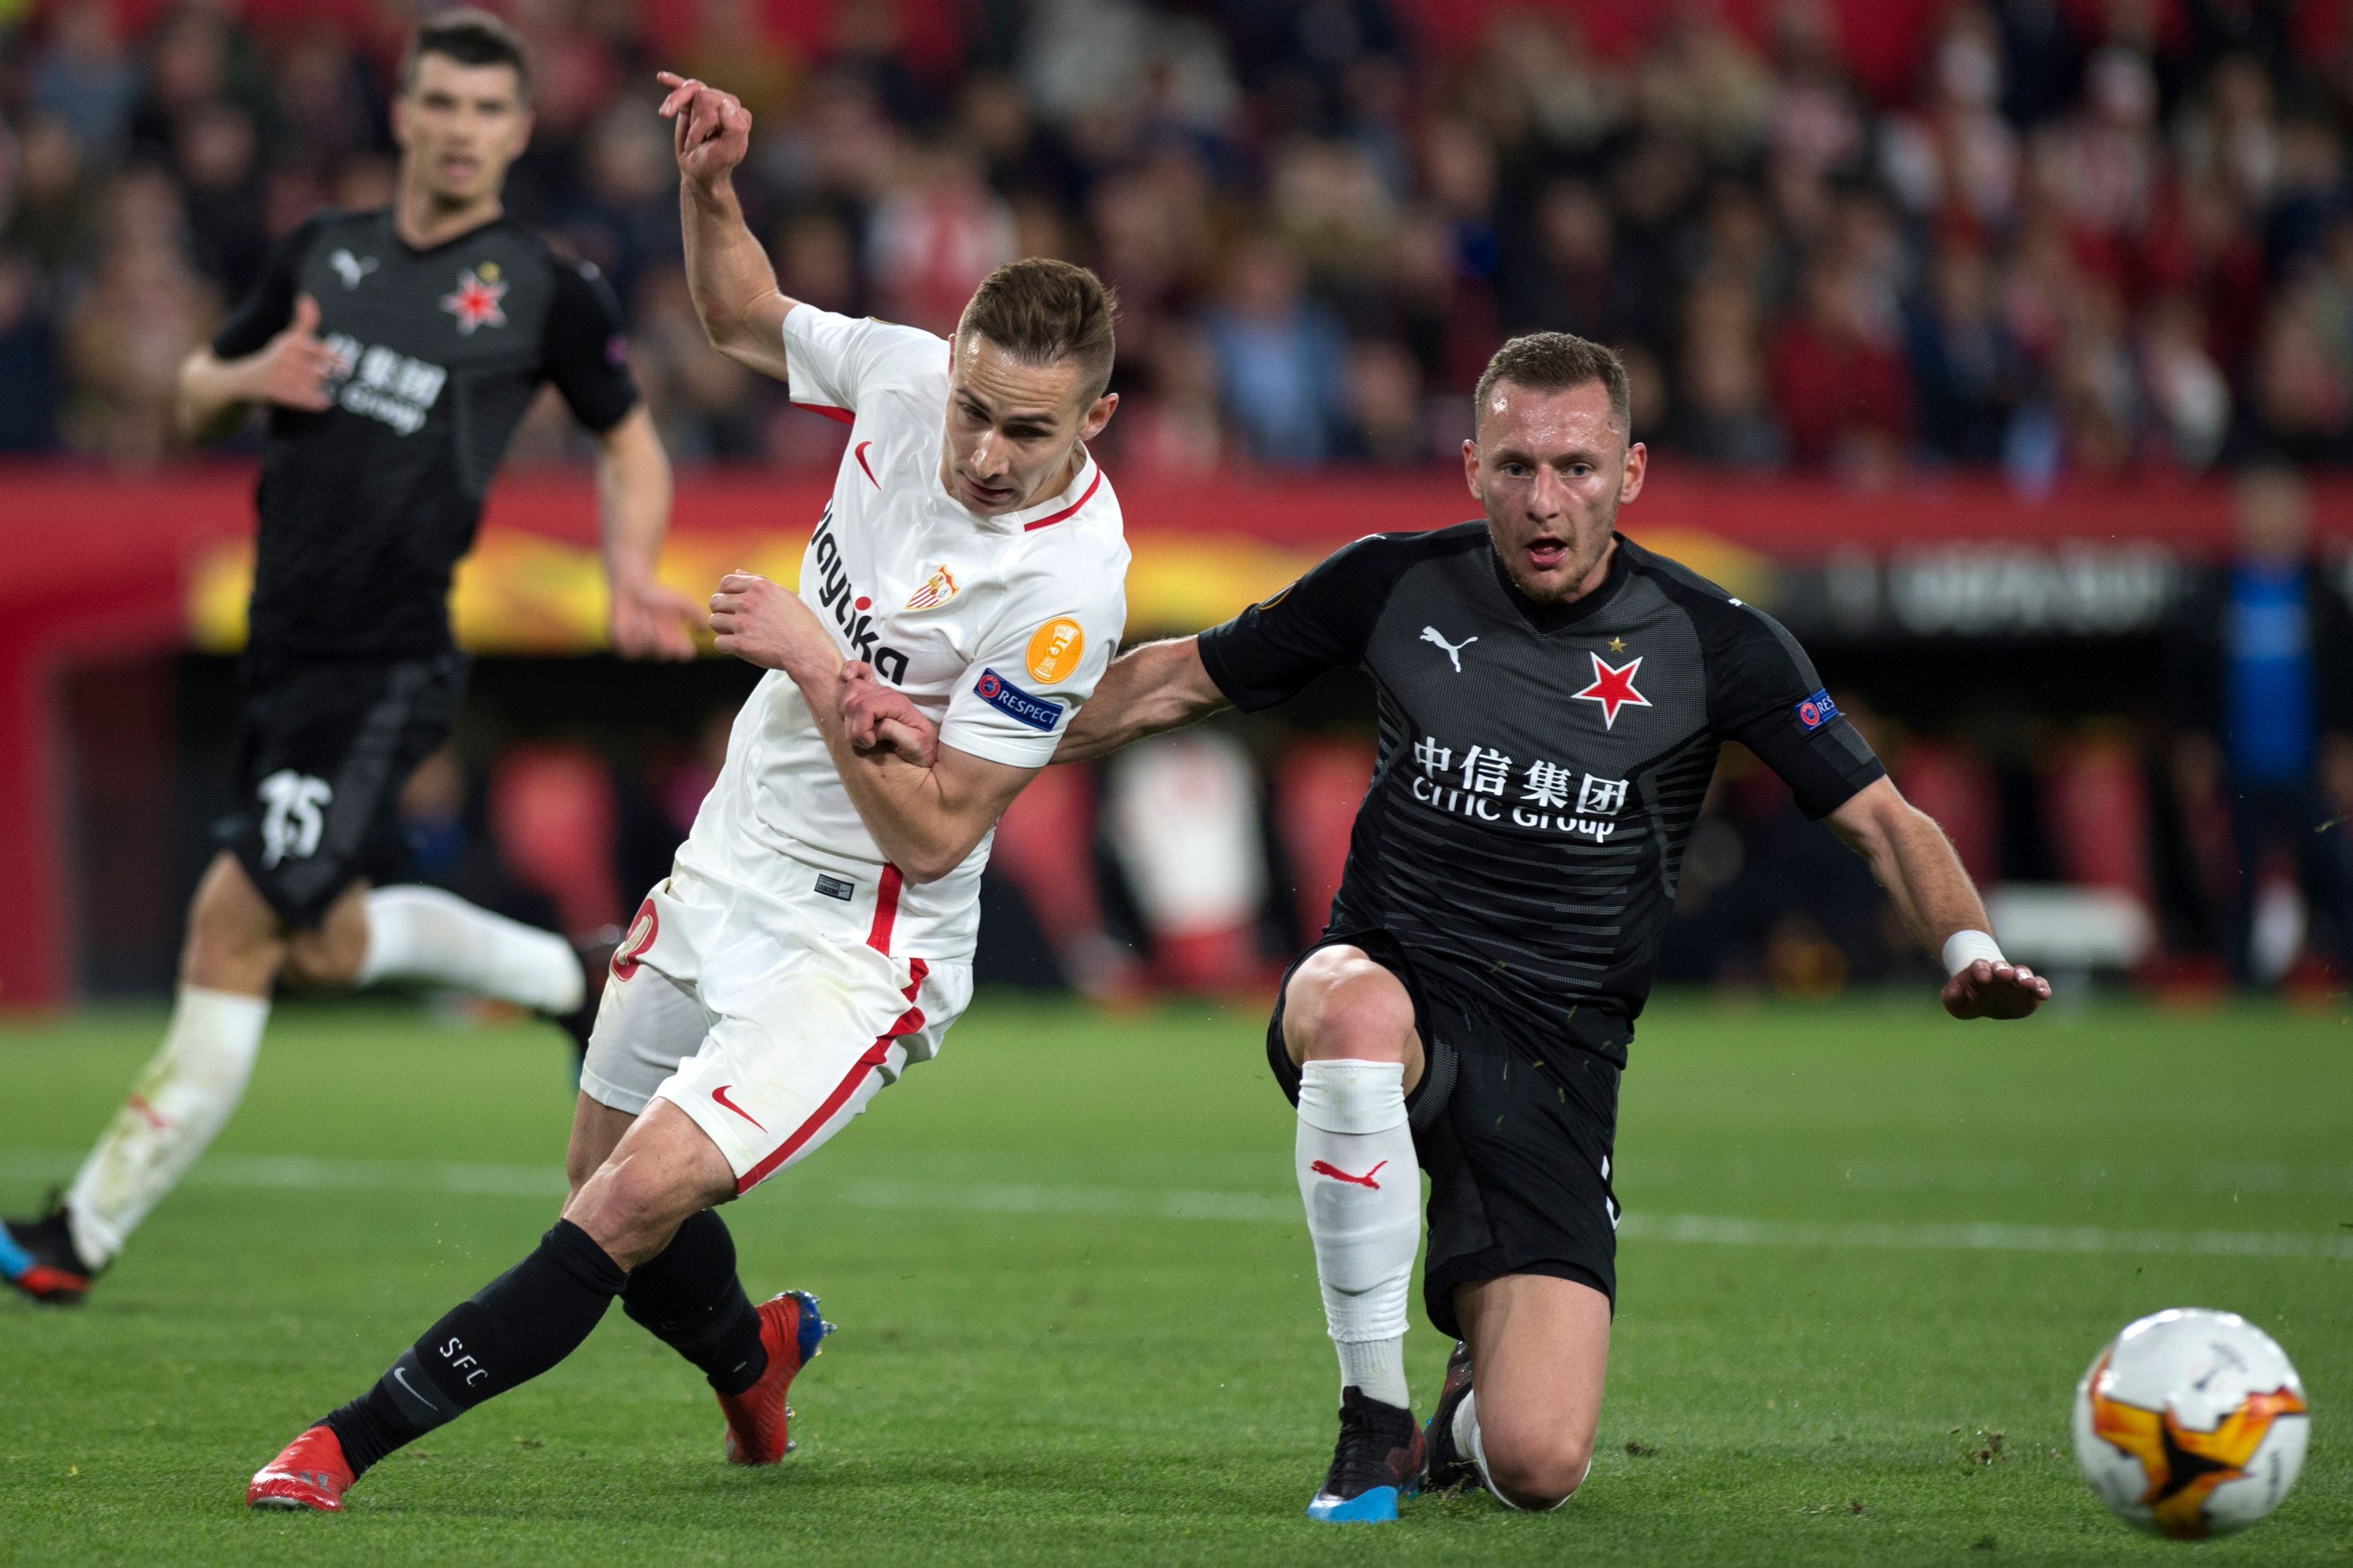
[1039, 1386]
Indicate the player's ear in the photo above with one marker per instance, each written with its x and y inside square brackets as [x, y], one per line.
[1098, 414]
[1470, 470]
[1638, 464]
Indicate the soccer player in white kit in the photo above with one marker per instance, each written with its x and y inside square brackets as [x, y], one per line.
[815, 935]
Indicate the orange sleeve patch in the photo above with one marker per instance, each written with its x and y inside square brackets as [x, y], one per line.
[1055, 650]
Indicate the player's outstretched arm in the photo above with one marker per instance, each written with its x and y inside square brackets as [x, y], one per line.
[1158, 687]
[290, 371]
[649, 619]
[734, 287]
[1914, 860]
[925, 817]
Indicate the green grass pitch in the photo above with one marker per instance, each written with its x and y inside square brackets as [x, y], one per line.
[1868, 1252]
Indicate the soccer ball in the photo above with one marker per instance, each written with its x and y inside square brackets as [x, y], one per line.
[2191, 1424]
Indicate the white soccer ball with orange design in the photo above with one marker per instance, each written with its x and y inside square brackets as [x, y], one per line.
[2191, 1424]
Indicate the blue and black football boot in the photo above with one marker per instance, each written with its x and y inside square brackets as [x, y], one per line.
[1377, 1464]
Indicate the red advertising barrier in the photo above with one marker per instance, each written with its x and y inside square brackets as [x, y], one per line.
[95, 567]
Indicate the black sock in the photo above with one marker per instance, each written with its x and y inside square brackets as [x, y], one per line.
[689, 1298]
[514, 1329]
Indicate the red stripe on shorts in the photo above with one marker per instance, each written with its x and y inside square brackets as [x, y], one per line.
[886, 910]
[907, 1023]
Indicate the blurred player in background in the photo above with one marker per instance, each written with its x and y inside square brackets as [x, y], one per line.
[816, 934]
[396, 349]
[1552, 698]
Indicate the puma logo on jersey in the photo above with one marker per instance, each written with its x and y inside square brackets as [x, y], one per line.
[351, 269]
[1453, 649]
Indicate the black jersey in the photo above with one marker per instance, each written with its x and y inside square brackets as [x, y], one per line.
[366, 506]
[1540, 768]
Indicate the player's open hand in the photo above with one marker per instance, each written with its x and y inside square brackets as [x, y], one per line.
[763, 623]
[1989, 990]
[292, 369]
[712, 130]
[881, 720]
[650, 620]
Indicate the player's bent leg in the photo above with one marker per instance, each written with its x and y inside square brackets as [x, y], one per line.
[519, 1324]
[1341, 1006]
[332, 953]
[1349, 1024]
[597, 1132]
[423, 933]
[234, 946]
[664, 1169]
[1539, 1355]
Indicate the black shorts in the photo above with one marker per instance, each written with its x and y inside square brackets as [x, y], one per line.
[1516, 1136]
[324, 747]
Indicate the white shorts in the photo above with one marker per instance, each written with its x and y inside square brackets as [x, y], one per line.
[768, 1031]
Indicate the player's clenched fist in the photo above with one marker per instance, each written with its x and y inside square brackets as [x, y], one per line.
[763, 624]
[713, 130]
[293, 368]
[880, 719]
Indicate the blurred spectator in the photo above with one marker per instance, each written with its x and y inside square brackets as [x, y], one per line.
[935, 237]
[1841, 391]
[1384, 419]
[218, 162]
[54, 218]
[144, 312]
[1967, 371]
[701, 399]
[625, 216]
[2264, 680]
[85, 77]
[1280, 357]
[29, 363]
[1722, 414]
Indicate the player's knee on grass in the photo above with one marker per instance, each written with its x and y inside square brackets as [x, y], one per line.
[1341, 1006]
[1535, 1470]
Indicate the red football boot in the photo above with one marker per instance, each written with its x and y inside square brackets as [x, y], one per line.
[310, 1472]
[758, 1418]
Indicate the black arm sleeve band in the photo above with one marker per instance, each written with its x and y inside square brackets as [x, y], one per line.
[583, 349]
[1762, 691]
[1273, 651]
[265, 311]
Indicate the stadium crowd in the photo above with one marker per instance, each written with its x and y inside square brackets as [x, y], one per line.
[2060, 236]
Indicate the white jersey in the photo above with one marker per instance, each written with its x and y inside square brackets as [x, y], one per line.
[998, 628]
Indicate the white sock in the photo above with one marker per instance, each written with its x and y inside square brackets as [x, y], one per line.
[423, 933]
[1362, 1188]
[1466, 1443]
[174, 1109]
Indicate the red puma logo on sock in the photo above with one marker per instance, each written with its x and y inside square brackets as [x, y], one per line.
[1337, 1174]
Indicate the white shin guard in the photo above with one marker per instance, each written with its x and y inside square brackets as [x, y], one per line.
[175, 1108]
[423, 933]
[1362, 1188]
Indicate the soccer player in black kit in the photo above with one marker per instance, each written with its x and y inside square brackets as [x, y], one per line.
[396, 350]
[1551, 697]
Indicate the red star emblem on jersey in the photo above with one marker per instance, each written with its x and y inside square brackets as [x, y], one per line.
[475, 304]
[1614, 687]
